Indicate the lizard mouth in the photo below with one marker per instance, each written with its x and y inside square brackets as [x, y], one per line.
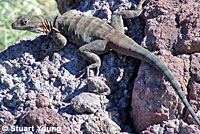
[14, 26]
[31, 29]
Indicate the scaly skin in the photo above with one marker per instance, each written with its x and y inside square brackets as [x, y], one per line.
[95, 37]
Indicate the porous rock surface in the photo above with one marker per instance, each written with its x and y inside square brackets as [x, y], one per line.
[171, 32]
[43, 92]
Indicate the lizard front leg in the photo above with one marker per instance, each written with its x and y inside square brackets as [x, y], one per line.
[59, 39]
[60, 42]
[90, 53]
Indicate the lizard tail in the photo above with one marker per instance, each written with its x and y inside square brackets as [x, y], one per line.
[126, 46]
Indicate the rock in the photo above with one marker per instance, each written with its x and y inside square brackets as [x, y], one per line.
[188, 23]
[31, 96]
[97, 85]
[86, 102]
[42, 101]
[100, 125]
[42, 118]
[6, 121]
[154, 100]
[194, 86]
[169, 33]
[10, 101]
[63, 4]
[8, 81]
[178, 26]
[171, 127]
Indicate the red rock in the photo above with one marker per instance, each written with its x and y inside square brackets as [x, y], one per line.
[172, 27]
[42, 101]
[45, 117]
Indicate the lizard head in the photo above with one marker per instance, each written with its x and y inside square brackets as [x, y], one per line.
[36, 24]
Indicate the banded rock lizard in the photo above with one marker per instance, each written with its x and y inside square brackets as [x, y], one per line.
[95, 37]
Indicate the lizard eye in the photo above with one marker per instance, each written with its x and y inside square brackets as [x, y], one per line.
[23, 22]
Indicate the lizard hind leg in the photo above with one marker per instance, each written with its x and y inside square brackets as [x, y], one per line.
[116, 18]
[129, 14]
[90, 53]
[117, 23]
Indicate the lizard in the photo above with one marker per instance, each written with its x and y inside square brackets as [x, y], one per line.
[94, 37]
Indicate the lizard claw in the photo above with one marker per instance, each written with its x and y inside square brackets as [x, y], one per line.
[86, 71]
[140, 4]
[81, 73]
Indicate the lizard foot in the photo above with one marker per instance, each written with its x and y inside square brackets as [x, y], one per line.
[139, 6]
[86, 71]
